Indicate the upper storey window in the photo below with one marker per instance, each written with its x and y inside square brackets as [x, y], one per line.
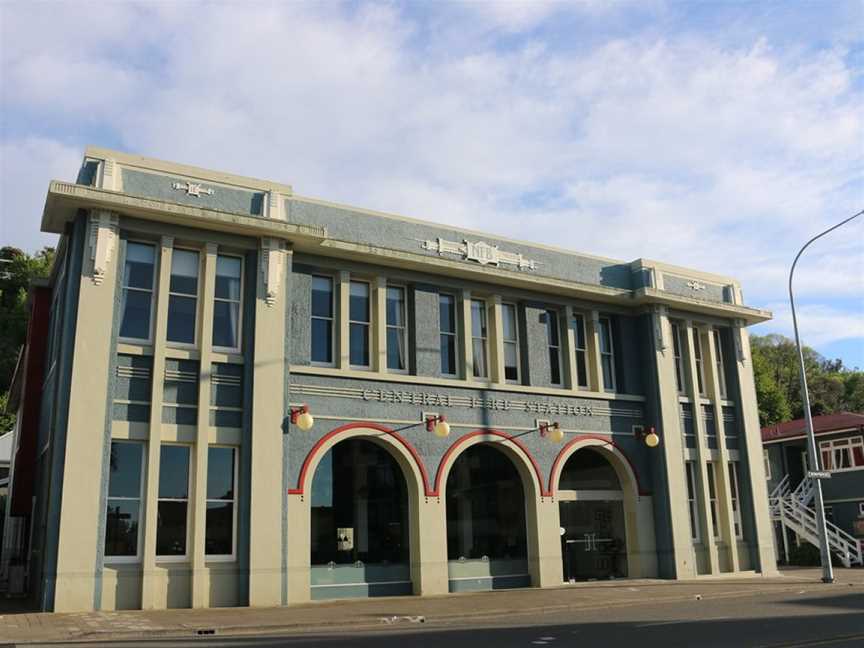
[511, 342]
[358, 323]
[607, 353]
[721, 369]
[581, 350]
[138, 279]
[676, 354]
[479, 338]
[447, 330]
[553, 341]
[322, 320]
[226, 307]
[183, 296]
[700, 366]
[396, 345]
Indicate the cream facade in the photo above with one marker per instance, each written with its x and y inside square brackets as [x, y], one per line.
[197, 315]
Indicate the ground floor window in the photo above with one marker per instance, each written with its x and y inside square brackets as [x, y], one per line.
[736, 498]
[173, 506]
[359, 506]
[692, 502]
[221, 523]
[122, 524]
[485, 507]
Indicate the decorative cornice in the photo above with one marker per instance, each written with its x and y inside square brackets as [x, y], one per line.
[479, 251]
[193, 188]
[103, 242]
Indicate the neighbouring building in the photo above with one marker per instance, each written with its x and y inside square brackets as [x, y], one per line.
[840, 448]
[236, 396]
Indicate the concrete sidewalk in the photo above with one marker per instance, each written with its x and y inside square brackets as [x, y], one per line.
[458, 609]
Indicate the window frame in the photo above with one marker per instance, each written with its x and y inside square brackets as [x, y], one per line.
[139, 549]
[516, 342]
[454, 334]
[197, 327]
[367, 324]
[156, 270]
[388, 326]
[581, 319]
[610, 353]
[484, 339]
[162, 558]
[735, 500]
[558, 348]
[693, 501]
[834, 446]
[239, 347]
[334, 317]
[232, 557]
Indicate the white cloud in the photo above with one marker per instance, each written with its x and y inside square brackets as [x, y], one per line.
[681, 147]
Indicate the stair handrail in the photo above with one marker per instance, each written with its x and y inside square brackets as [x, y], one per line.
[839, 540]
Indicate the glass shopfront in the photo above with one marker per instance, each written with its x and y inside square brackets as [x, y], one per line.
[593, 539]
[486, 538]
[359, 525]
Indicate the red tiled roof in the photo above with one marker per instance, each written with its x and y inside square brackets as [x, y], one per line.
[821, 425]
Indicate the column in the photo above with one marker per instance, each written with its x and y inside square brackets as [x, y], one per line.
[703, 455]
[467, 349]
[343, 302]
[80, 510]
[379, 324]
[752, 442]
[429, 548]
[149, 586]
[595, 369]
[571, 380]
[496, 341]
[672, 448]
[268, 413]
[198, 497]
[724, 490]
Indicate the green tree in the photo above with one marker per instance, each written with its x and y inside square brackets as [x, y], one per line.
[832, 387]
[17, 270]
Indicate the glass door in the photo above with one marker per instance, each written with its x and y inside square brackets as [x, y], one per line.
[593, 545]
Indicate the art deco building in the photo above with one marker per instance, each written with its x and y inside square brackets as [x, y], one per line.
[242, 396]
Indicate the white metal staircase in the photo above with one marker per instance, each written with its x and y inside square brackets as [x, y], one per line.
[791, 508]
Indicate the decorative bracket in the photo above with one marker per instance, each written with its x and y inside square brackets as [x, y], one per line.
[738, 338]
[272, 263]
[103, 242]
[660, 314]
[193, 188]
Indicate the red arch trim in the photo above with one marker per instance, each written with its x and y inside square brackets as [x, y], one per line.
[488, 432]
[351, 426]
[605, 439]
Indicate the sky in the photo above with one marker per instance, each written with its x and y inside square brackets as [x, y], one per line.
[714, 135]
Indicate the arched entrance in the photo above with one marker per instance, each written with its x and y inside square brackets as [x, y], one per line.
[593, 521]
[359, 526]
[487, 546]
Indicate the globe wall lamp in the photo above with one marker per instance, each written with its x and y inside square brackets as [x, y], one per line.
[649, 436]
[301, 417]
[551, 431]
[438, 425]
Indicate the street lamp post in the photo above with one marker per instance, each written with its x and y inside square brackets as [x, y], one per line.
[827, 571]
